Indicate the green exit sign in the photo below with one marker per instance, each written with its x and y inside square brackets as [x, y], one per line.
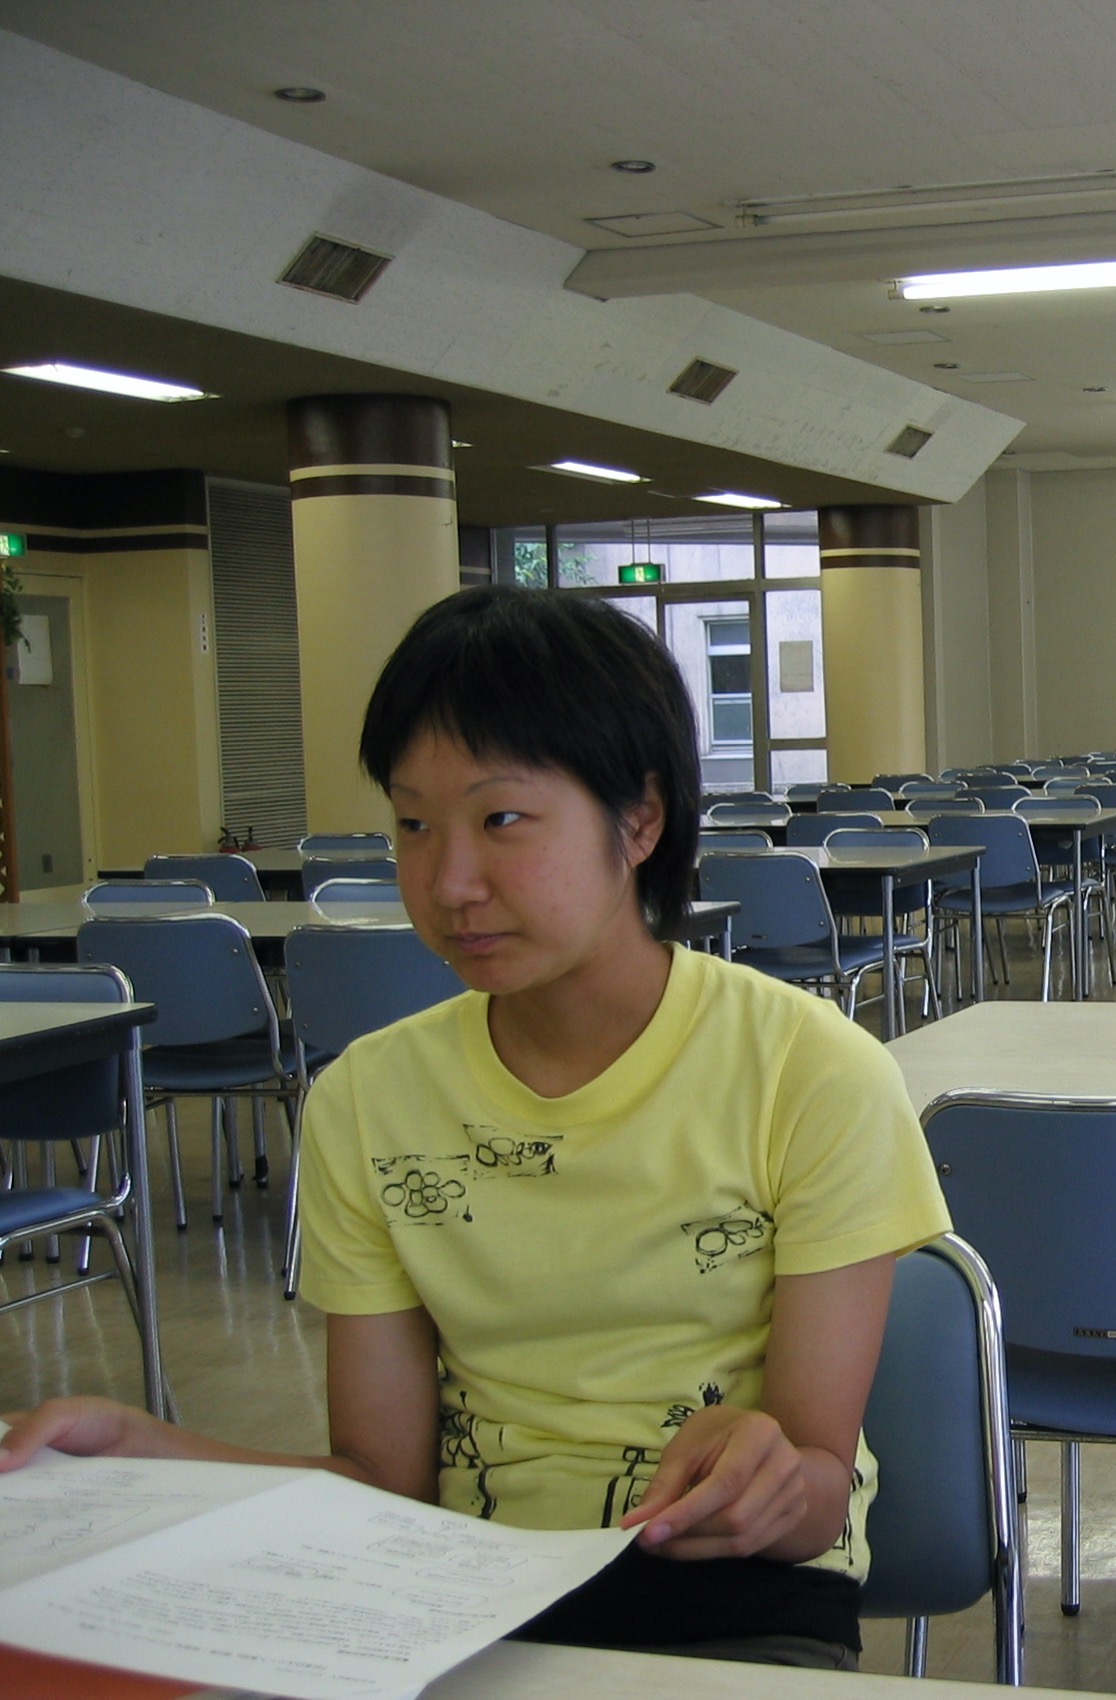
[11, 545]
[642, 572]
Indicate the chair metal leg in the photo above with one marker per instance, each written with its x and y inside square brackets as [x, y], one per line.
[175, 1153]
[1071, 1527]
[217, 1183]
[291, 1236]
[259, 1140]
[232, 1142]
[918, 1634]
[1019, 1454]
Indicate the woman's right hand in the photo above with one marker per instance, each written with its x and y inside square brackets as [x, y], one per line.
[90, 1427]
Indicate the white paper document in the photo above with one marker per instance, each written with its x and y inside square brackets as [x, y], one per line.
[291, 1582]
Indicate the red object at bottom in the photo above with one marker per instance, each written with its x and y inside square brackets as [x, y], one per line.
[35, 1676]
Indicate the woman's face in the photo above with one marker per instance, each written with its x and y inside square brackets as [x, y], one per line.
[515, 874]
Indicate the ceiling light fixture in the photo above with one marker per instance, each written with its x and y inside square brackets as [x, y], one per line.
[736, 499]
[113, 383]
[587, 469]
[300, 94]
[638, 167]
[1014, 280]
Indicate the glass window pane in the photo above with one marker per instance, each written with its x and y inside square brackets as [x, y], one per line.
[729, 634]
[790, 546]
[730, 674]
[732, 720]
[688, 550]
[640, 608]
[688, 628]
[795, 682]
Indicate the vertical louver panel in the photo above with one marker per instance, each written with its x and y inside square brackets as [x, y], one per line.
[257, 662]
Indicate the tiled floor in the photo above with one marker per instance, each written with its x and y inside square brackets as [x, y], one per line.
[249, 1366]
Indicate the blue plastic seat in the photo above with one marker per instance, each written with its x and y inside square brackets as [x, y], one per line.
[848, 797]
[82, 1102]
[747, 838]
[740, 812]
[217, 1034]
[148, 894]
[1030, 1182]
[317, 869]
[345, 981]
[231, 878]
[907, 902]
[813, 830]
[367, 892]
[345, 844]
[784, 926]
[943, 1528]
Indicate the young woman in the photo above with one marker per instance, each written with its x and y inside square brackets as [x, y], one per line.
[610, 1237]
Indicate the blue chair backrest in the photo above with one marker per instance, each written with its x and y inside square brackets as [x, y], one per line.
[714, 799]
[200, 970]
[368, 892]
[317, 869]
[1058, 770]
[231, 878]
[1104, 794]
[344, 843]
[854, 797]
[68, 1103]
[782, 903]
[345, 981]
[815, 829]
[740, 813]
[896, 781]
[804, 791]
[905, 898]
[148, 894]
[1009, 854]
[1030, 1183]
[752, 839]
[998, 796]
[935, 1416]
[963, 804]
[929, 788]
[1037, 808]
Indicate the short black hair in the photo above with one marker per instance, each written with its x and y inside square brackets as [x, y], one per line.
[556, 681]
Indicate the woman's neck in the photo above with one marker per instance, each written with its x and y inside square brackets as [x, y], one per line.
[557, 1038]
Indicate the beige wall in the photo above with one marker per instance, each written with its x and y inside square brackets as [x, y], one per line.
[154, 779]
[955, 633]
[365, 567]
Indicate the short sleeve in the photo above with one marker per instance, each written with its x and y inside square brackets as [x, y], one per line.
[849, 1167]
[349, 1264]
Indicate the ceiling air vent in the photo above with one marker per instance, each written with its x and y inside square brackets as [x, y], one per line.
[910, 439]
[340, 270]
[702, 381]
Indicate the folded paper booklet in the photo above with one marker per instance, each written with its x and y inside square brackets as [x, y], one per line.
[297, 1583]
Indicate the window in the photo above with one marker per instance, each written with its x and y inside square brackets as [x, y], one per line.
[729, 652]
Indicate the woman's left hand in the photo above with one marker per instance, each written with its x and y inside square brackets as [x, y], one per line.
[729, 1484]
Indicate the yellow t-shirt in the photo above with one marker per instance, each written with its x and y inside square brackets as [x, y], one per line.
[600, 1265]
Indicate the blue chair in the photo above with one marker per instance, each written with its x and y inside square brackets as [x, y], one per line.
[355, 891]
[894, 782]
[1010, 879]
[784, 926]
[742, 813]
[748, 838]
[713, 799]
[217, 1034]
[345, 981]
[1056, 857]
[928, 788]
[998, 796]
[925, 808]
[907, 901]
[943, 1528]
[82, 1102]
[317, 869]
[345, 844]
[231, 878]
[803, 791]
[813, 830]
[1030, 1182]
[848, 797]
[148, 894]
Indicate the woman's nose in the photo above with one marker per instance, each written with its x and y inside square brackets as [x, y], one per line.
[459, 875]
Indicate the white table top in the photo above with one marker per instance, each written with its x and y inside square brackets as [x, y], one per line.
[1055, 1049]
[521, 1671]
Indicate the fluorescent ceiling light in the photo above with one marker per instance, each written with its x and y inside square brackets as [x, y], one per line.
[1016, 280]
[115, 383]
[734, 499]
[586, 469]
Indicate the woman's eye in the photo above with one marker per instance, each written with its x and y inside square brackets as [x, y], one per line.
[503, 817]
[409, 826]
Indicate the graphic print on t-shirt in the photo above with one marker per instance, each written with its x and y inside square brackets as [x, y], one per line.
[421, 1189]
[720, 1240]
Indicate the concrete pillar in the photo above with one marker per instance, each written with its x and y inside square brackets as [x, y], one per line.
[375, 542]
[872, 632]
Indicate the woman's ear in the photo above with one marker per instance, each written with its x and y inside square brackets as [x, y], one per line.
[645, 822]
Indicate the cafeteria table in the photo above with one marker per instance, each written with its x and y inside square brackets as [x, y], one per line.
[55, 920]
[38, 1039]
[1048, 1049]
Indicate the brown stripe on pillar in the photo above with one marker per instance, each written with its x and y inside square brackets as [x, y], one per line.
[366, 430]
[883, 536]
[371, 484]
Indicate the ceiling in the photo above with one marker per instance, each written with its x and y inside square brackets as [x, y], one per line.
[974, 130]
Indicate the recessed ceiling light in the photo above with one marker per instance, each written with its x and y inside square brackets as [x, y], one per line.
[1094, 389]
[946, 365]
[934, 308]
[587, 469]
[458, 444]
[1014, 280]
[638, 167]
[300, 94]
[735, 499]
[114, 383]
